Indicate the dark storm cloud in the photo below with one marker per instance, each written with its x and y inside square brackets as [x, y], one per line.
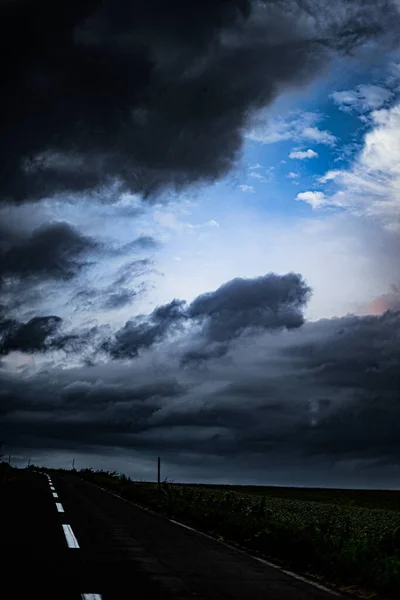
[96, 407]
[241, 306]
[325, 393]
[29, 337]
[80, 343]
[272, 406]
[336, 402]
[263, 303]
[108, 298]
[83, 394]
[119, 299]
[294, 402]
[267, 302]
[138, 334]
[361, 361]
[143, 242]
[204, 352]
[52, 251]
[355, 354]
[154, 94]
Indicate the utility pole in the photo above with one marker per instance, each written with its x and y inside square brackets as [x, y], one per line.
[158, 470]
[29, 463]
[73, 464]
[9, 459]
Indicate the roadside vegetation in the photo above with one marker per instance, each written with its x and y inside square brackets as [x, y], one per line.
[349, 539]
[5, 471]
[333, 535]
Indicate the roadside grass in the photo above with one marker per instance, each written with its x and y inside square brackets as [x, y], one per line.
[6, 472]
[353, 547]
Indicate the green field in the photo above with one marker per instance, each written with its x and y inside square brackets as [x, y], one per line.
[348, 538]
[342, 497]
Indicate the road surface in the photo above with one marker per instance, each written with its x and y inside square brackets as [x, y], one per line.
[62, 537]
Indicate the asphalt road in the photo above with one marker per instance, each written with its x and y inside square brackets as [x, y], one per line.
[102, 545]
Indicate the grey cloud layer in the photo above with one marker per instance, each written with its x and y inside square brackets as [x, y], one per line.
[36, 264]
[94, 93]
[27, 337]
[52, 251]
[263, 303]
[154, 94]
[267, 302]
[289, 397]
[143, 333]
[325, 391]
[55, 261]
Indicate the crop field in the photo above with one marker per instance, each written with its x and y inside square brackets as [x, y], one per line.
[353, 546]
[342, 497]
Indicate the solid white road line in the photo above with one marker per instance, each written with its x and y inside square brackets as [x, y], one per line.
[91, 596]
[70, 537]
[55, 495]
[60, 507]
[261, 560]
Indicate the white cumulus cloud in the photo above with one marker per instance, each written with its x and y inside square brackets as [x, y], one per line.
[371, 185]
[296, 126]
[303, 154]
[213, 223]
[256, 175]
[314, 199]
[363, 99]
[319, 136]
[247, 188]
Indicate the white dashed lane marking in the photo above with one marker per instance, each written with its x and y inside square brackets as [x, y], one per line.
[70, 537]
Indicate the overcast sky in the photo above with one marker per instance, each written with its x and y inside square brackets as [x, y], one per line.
[200, 239]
